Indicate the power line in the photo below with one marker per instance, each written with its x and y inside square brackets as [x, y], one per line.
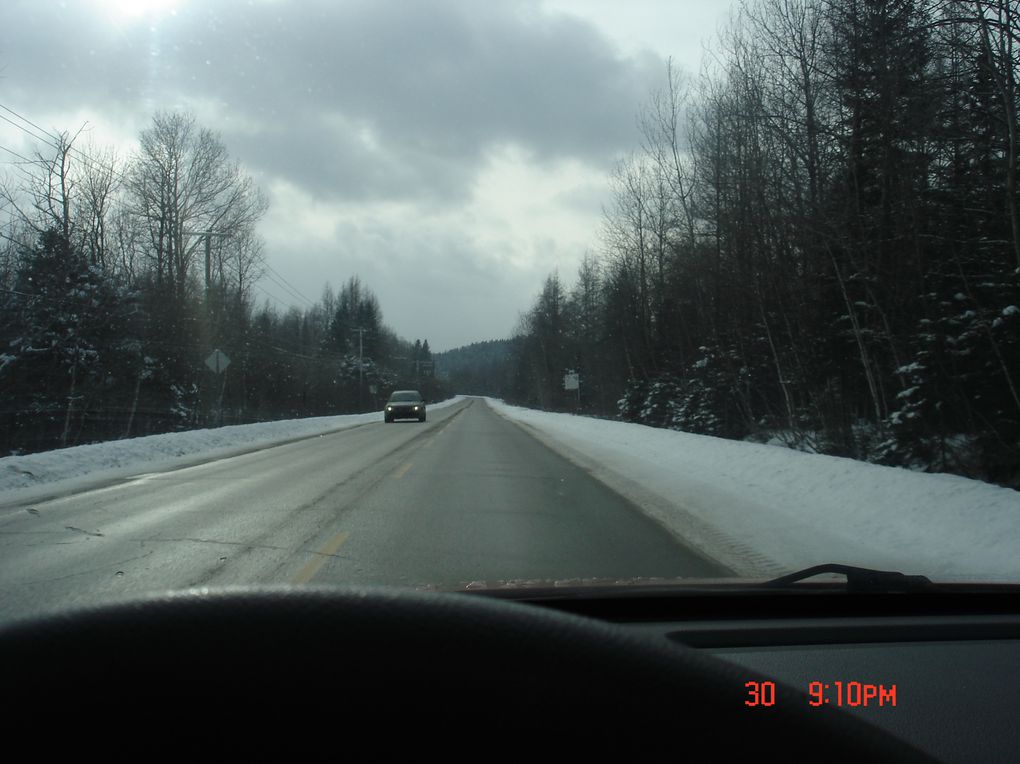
[55, 141]
[293, 288]
[24, 129]
[282, 303]
[15, 291]
[293, 293]
[19, 156]
[25, 119]
[272, 297]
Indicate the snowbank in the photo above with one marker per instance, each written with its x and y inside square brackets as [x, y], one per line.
[23, 478]
[764, 509]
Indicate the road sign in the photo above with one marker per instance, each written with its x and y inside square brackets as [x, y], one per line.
[217, 361]
[571, 381]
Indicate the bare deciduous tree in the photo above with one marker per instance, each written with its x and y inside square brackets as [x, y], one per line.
[184, 185]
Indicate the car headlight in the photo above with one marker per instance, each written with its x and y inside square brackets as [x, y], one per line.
[415, 408]
[389, 408]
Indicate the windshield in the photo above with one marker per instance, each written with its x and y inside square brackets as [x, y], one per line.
[408, 396]
[697, 292]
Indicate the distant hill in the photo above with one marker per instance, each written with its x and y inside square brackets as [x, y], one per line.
[481, 368]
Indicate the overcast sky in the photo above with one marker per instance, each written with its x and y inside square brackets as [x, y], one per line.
[451, 154]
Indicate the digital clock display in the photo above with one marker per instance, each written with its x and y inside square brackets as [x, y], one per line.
[837, 693]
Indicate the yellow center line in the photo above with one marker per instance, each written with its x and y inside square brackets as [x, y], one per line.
[400, 473]
[308, 572]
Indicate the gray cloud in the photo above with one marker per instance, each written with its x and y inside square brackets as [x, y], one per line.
[435, 84]
[359, 102]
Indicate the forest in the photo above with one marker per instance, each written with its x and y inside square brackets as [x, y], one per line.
[815, 242]
[121, 278]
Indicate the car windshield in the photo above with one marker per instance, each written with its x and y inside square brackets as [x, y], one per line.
[697, 292]
[405, 397]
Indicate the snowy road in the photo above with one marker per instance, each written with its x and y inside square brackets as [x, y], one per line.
[467, 496]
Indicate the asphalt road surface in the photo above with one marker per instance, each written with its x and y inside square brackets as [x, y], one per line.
[466, 497]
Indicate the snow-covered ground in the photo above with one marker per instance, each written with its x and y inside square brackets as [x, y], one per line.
[23, 478]
[767, 509]
[759, 509]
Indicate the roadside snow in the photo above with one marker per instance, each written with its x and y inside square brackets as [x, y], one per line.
[23, 478]
[763, 509]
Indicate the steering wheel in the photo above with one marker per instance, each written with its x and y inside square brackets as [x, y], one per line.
[384, 673]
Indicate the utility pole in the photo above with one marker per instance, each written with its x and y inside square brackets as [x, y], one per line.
[207, 328]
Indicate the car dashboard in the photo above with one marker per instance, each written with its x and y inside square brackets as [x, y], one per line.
[939, 671]
[640, 673]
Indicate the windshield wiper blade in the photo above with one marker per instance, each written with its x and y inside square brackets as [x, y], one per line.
[858, 579]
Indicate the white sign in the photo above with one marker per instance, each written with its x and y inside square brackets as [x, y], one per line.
[571, 381]
[217, 361]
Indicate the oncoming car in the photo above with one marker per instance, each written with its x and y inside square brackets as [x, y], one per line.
[405, 404]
